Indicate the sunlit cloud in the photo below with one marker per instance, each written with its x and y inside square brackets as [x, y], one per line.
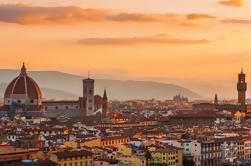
[233, 3]
[26, 14]
[155, 39]
[236, 21]
[197, 16]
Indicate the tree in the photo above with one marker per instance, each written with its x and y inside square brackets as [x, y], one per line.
[187, 162]
[148, 157]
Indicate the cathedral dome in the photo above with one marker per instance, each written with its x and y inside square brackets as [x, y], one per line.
[23, 90]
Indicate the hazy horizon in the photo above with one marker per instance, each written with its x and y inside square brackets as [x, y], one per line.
[201, 88]
[200, 45]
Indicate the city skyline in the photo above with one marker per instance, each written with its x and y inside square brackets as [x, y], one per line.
[125, 83]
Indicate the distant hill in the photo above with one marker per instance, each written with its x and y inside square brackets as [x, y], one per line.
[55, 84]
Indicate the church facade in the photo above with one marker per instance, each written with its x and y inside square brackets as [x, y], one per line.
[23, 97]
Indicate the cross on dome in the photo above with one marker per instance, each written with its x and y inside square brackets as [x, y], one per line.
[23, 70]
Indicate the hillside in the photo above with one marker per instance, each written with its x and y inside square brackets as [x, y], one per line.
[55, 84]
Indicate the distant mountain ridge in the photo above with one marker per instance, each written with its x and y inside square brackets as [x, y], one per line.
[56, 84]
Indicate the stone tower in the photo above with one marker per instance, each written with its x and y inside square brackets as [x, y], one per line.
[104, 104]
[241, 87]
[88, 93]
[82, 107]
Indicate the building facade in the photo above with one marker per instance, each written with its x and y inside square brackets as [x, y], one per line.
[22, 97]
[88, 93]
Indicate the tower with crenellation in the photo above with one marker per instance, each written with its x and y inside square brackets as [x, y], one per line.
[241, 87]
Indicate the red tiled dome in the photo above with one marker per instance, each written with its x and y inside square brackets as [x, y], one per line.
[23, 85]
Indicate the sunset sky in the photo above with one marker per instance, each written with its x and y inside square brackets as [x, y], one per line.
[199, 44]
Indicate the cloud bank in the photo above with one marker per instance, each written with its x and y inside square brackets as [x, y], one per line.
[233, 3]
[196, 16]
[155, 39]
[236, 21]
[31, 15]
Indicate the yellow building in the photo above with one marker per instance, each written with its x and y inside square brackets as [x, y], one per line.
[8, 153]
[171, 156]
[124, 149]
[114, 140]
[124, 154]
[72, 158]
[134, 159]
[89, 143]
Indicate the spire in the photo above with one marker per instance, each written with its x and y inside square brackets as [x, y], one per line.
[242, 70]
[88, 74]
[216, 99]
[23, 70]
[105, 95]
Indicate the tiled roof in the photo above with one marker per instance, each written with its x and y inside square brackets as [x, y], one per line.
[73, 153]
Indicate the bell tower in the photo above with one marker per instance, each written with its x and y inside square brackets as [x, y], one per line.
[88, 94]
[242, 87]
[104, 104]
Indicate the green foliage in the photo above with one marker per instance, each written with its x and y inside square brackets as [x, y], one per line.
[187, 162]
[148, 157]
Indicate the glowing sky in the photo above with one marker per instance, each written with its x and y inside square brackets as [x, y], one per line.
[199, 44]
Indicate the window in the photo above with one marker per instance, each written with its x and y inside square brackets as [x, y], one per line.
[81, 163]
[76, 164]
[70, 164]
[59, 159]
[65, 164]
[19, 101]
[66, 107]
[86, 163]
[56, 107]
[90, 163]
[65, 159]
[32, 101]
[70, 158]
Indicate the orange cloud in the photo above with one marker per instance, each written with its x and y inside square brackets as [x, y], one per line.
[155, 39]
[233, 3]
[28, 15]
[236, 21]
[196, 16]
